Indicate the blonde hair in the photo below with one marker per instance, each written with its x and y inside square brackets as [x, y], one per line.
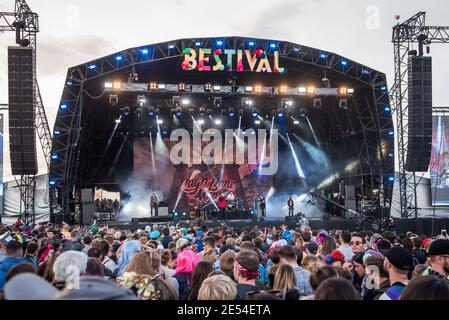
[284, 279]
[210, 256]
[217, 288]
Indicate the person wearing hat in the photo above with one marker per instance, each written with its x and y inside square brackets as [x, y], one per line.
[438, 259]
[399, 264]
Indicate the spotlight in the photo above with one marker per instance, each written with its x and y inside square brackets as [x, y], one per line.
[118, 121]
[116, 85]
[65, 107]
[208, 87]
[247, 102]
[342, 91]
[258, 88]
[52, 182]
[311, 91]
[219, 42]
[280, 114]
[160, 121]
[108, 85]
[323, 55]
[56, 132]
[350, 91]
[285, 103]
[153, 86]
[161, 86]
[296, 122]
[343, 103]
[113, 100]
[217, 102]
[257, 122]
[344, 63]
[249, 89]
[144, 51]
[217, 88]
[181, 86]
[251, 43]
[151, 112]
[197, 43]
[255, 112]
[91, 66]
[54, 156]
[283, 89]
[171, 46]
[302, 90]
[185, 102]
[391, 133]
[272, 45]
[118, 58]
[218, 122]
[200, 121]
[317, 103]
[141, 100]
[387, 109]
[391, 179]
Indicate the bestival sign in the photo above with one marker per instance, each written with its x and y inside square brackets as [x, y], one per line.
[230, 60]
[202, 190]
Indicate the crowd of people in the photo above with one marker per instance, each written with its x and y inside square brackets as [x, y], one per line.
[171, 262]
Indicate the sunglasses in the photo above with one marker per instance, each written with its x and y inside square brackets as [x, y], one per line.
[355, 243]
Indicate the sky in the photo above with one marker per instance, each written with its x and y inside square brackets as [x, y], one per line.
[73, 32]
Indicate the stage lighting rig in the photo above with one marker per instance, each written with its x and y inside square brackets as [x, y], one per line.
[113, 99]
[247, 102]
[208, 87]
[181, 87]
[283, 89]
[343, 103]
[153, 86]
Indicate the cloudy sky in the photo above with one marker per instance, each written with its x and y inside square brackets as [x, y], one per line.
[76, 31]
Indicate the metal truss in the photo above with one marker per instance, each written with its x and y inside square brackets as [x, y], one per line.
[67, 130]
[26, 25]
[413, 31]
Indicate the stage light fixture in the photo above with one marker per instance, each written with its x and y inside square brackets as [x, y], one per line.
[64, 107]
[310, 91]
[141, 100]
[251, 43]
[255, 112]
[257, 88]
[344, 63]
[219, 42]
[387, 109]
[323, 55]
[200, 121]
[218, 122]
[208, 87]
[153, 86]
[280, 114]
[231, 112]
[285, 103]
[52, 182]
[217, 88]
[92, 66]
[217, 102]
[249, 89]
[116, 85]
[343, 103]
[197, 43]
[56, 132]
[161, 86]
[144, 51]
[343, 91]
[317, 103]
[151, 112]
[113, 99]
[108, 85]
[126, 111]
[302, 90]
[181, 86]
[54, 156]
[160, 121]
[185, 102]
[118, 58]
[171, 46]
[350, 91]
[391, 133]
[247, 102]
[272, 45]
[391, 179]
[257, 122]
[283, 89]
[296, 122]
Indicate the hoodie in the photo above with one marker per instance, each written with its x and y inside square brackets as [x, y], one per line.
[7, 264]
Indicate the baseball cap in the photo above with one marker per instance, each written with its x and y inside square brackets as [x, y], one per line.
[400, 257]
[312, 247]
[155, 234]
[439, 247]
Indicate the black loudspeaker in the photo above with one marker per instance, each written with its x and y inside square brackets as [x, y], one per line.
[419, 114]
[22, 134]
[87, 206]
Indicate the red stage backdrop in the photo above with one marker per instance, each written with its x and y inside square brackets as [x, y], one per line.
[189, 187]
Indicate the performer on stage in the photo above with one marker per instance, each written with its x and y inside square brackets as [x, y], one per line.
[222, 205]
[231, 201]
[290, 204]
[154, 204]
[262, 205]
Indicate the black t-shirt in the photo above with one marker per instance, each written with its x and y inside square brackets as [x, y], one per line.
[243, 289]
